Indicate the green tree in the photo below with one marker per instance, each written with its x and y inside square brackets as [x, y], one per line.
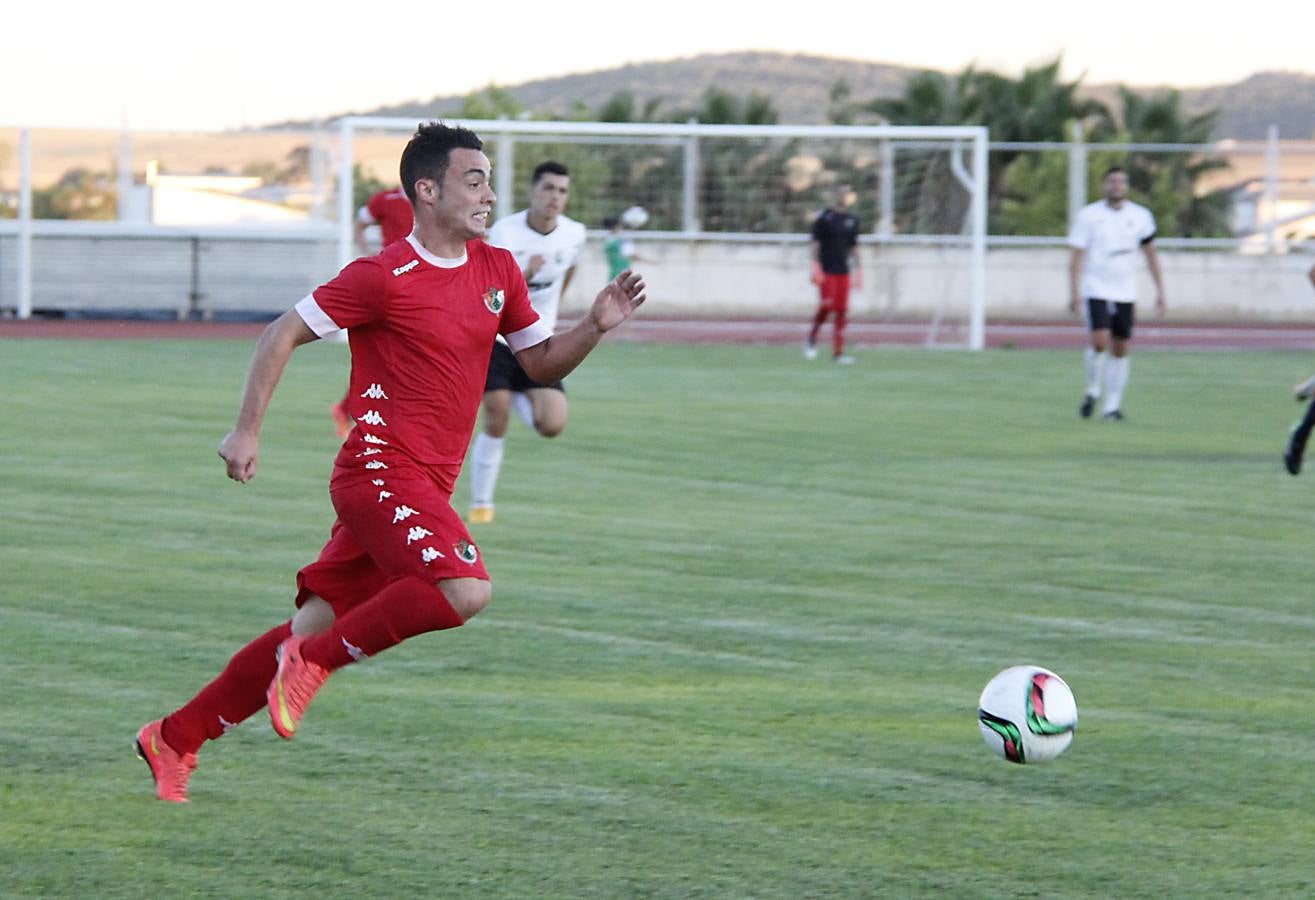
[1168, 179]
[78, 194]
[492, 102]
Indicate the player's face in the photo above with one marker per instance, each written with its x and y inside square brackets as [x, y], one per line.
[464, 203]
[844, 198]
[1116, 187]
[549, 194]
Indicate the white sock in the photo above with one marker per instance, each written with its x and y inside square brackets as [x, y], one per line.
[520, 402]
[1116, 379]
[1095, 365]
[485, 463]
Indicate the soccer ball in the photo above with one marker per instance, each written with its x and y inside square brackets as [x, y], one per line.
[1027, 714]
[634, 217]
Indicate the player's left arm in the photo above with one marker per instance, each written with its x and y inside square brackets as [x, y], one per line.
[555, 358]
[1311, 276]
[566, 279]
[1153, 263]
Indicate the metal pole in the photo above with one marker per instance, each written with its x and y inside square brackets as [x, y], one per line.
[504, 178]
[25, 224]
[1271, 190]
[977, 324]
[1077, 175]
[690, 186]
[317, 209]
[345, 210]
[886, 190]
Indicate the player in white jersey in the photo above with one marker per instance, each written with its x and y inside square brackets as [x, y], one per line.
[1103, 271]
[546, 244]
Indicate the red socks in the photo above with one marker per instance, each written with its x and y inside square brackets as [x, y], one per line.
[238, 693]
[407, 607]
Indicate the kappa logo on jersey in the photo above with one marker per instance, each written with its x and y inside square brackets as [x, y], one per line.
[372, 417]
[403, 512]
[494, 299]
[384, 495]
[371, 439]
[402, 270]
[376, 464]
[428, 555]
[417, 533]
[378, 482]
[375, 392]
[466, 552]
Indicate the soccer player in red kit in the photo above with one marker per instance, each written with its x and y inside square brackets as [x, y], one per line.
[391, 211]
[421, 316]
[835, 271]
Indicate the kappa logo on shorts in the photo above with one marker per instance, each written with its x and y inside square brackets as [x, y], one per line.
[429, 554]
[466, 552]
[417, 533]
[494, 299]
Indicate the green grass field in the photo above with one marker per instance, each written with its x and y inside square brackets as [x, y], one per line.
[743, 611]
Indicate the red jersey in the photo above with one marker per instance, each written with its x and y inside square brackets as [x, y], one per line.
[421, 330]
[392, 212]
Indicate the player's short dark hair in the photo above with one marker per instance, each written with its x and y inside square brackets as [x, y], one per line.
[549, 167]
[611, 222]
[1113, 170]
[427, 153]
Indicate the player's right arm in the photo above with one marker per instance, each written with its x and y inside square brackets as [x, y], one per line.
[240, 448]
[1078, 239]
[1311, 276]
[1075, 278]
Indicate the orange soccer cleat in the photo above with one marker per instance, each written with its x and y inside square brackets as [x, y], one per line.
[169, 768]
[294, 686]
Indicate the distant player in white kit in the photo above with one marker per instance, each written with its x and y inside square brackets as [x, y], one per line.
[546, 244]
[1102, 272]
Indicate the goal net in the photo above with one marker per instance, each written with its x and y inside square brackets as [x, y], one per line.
[730, 209]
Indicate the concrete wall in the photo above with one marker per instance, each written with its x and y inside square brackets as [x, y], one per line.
[736, 279]
[93, 268]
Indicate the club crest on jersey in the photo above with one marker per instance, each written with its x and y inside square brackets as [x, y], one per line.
[494, 299]
[466, 552]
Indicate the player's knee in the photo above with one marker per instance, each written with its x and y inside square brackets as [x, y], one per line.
[467, 595]
[549, 429]
[314, 615]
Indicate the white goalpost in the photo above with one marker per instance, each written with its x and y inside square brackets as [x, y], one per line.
[730, 205]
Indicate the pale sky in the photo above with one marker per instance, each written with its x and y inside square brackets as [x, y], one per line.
[225, 65]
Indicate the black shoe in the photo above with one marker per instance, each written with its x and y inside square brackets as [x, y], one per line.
[1113, 415]
[1088, 404]
[1293, 453]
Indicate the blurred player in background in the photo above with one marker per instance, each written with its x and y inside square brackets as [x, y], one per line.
[618, 247]
[391, 211]
[836, 269]
[546, 244]
[399, 562]
[1296, 449]
[1102, 271]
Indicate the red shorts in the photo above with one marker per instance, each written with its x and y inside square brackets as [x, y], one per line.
[835, 292]
[397, 524]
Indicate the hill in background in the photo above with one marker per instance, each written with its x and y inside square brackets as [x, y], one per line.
[799, 87]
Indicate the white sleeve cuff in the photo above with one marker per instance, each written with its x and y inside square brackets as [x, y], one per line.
[365, 216]
[526, 337]
[316, 319]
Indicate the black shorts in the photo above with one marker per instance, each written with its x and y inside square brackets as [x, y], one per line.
[1112, 315]
[506, 374]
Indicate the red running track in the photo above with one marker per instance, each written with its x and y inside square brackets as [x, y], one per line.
[1031, 335]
